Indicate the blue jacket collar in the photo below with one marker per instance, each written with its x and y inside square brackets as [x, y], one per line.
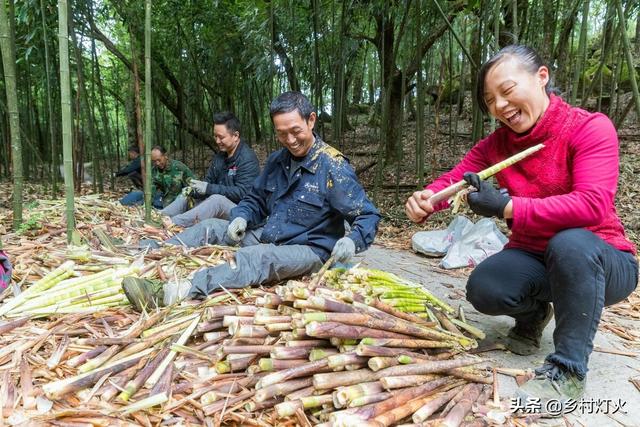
[310, 161]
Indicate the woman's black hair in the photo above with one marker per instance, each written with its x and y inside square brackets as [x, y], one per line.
[526, 56]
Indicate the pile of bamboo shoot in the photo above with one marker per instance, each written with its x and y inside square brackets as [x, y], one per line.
[61, 292]
[289, 353]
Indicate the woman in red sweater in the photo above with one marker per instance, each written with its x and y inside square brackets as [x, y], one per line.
[567, 253]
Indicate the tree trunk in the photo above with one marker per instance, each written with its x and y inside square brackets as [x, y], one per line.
[419, 105]
[628, 56]
[278, 47]
[580, 54]
[87, 107]
[65, 104]
[9, 65]
[560, 51]
[52, 121]
[549, 23]
[137, 110]
[112, 148]
[147, 104]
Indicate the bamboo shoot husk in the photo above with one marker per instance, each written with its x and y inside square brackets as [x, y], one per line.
[457, 413]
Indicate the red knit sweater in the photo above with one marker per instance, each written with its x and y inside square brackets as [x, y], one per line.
[570, 183]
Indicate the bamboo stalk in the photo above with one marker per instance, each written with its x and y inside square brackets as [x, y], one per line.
[339, 330]
[344, 395]
[7, 327]
[118, 383]
[327, 381]
[412, 343]
[306, 343]
[484, 174]
[267, 364]
[288, 408]
[460, 410]
[428, 367]
[172, 354]
[282, 388]
[244, 349]
[135, 384]
[48, 281]
[154, 400]
[343, 359]
[56, 389]
[233, 364]
[303, 392]
[377, 363]
[373, 351]
[400, 397]
[321, 353]
[403, 381]
[376, 303]
[99, 360]
[469, 328]
[81, 358]
[431, 406]
[295, 372]
[252, 406]
[470, 375]
[369, 399]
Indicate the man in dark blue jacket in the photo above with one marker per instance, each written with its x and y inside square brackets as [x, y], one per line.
[133, 170]
[230, 175]
[292, 219]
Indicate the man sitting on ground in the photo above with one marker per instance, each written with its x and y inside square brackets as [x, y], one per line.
[291, 221]
[133, 170]
[169, 178]
[229, 177]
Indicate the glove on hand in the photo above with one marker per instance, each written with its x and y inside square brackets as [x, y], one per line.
[487, 201]
[344, 250]
[200, 187]
[236, 229]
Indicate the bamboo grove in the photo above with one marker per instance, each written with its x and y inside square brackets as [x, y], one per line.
[76, 90]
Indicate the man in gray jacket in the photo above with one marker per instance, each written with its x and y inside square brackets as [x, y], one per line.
[229, 177]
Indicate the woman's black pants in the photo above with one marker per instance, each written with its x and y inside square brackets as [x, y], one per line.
[579, 273]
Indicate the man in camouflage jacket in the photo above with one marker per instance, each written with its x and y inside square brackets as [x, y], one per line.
[169, 178]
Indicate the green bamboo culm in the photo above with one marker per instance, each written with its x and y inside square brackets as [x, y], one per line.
[7, 43]
[147, 108]
[451, 190]
[65, 103]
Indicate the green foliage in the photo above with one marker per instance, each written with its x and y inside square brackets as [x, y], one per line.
[33, 223]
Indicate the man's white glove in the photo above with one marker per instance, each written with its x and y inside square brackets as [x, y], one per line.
[236, 229]
[200, 187]
[344, 250]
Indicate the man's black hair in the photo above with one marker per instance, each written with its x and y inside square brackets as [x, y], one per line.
[292, 101]
[228, 119]
[160, 148]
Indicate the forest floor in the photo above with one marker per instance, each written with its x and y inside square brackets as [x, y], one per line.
[616, 360]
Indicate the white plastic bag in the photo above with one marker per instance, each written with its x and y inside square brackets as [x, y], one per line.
[436, 243]
[465, 244]
[478, 243]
